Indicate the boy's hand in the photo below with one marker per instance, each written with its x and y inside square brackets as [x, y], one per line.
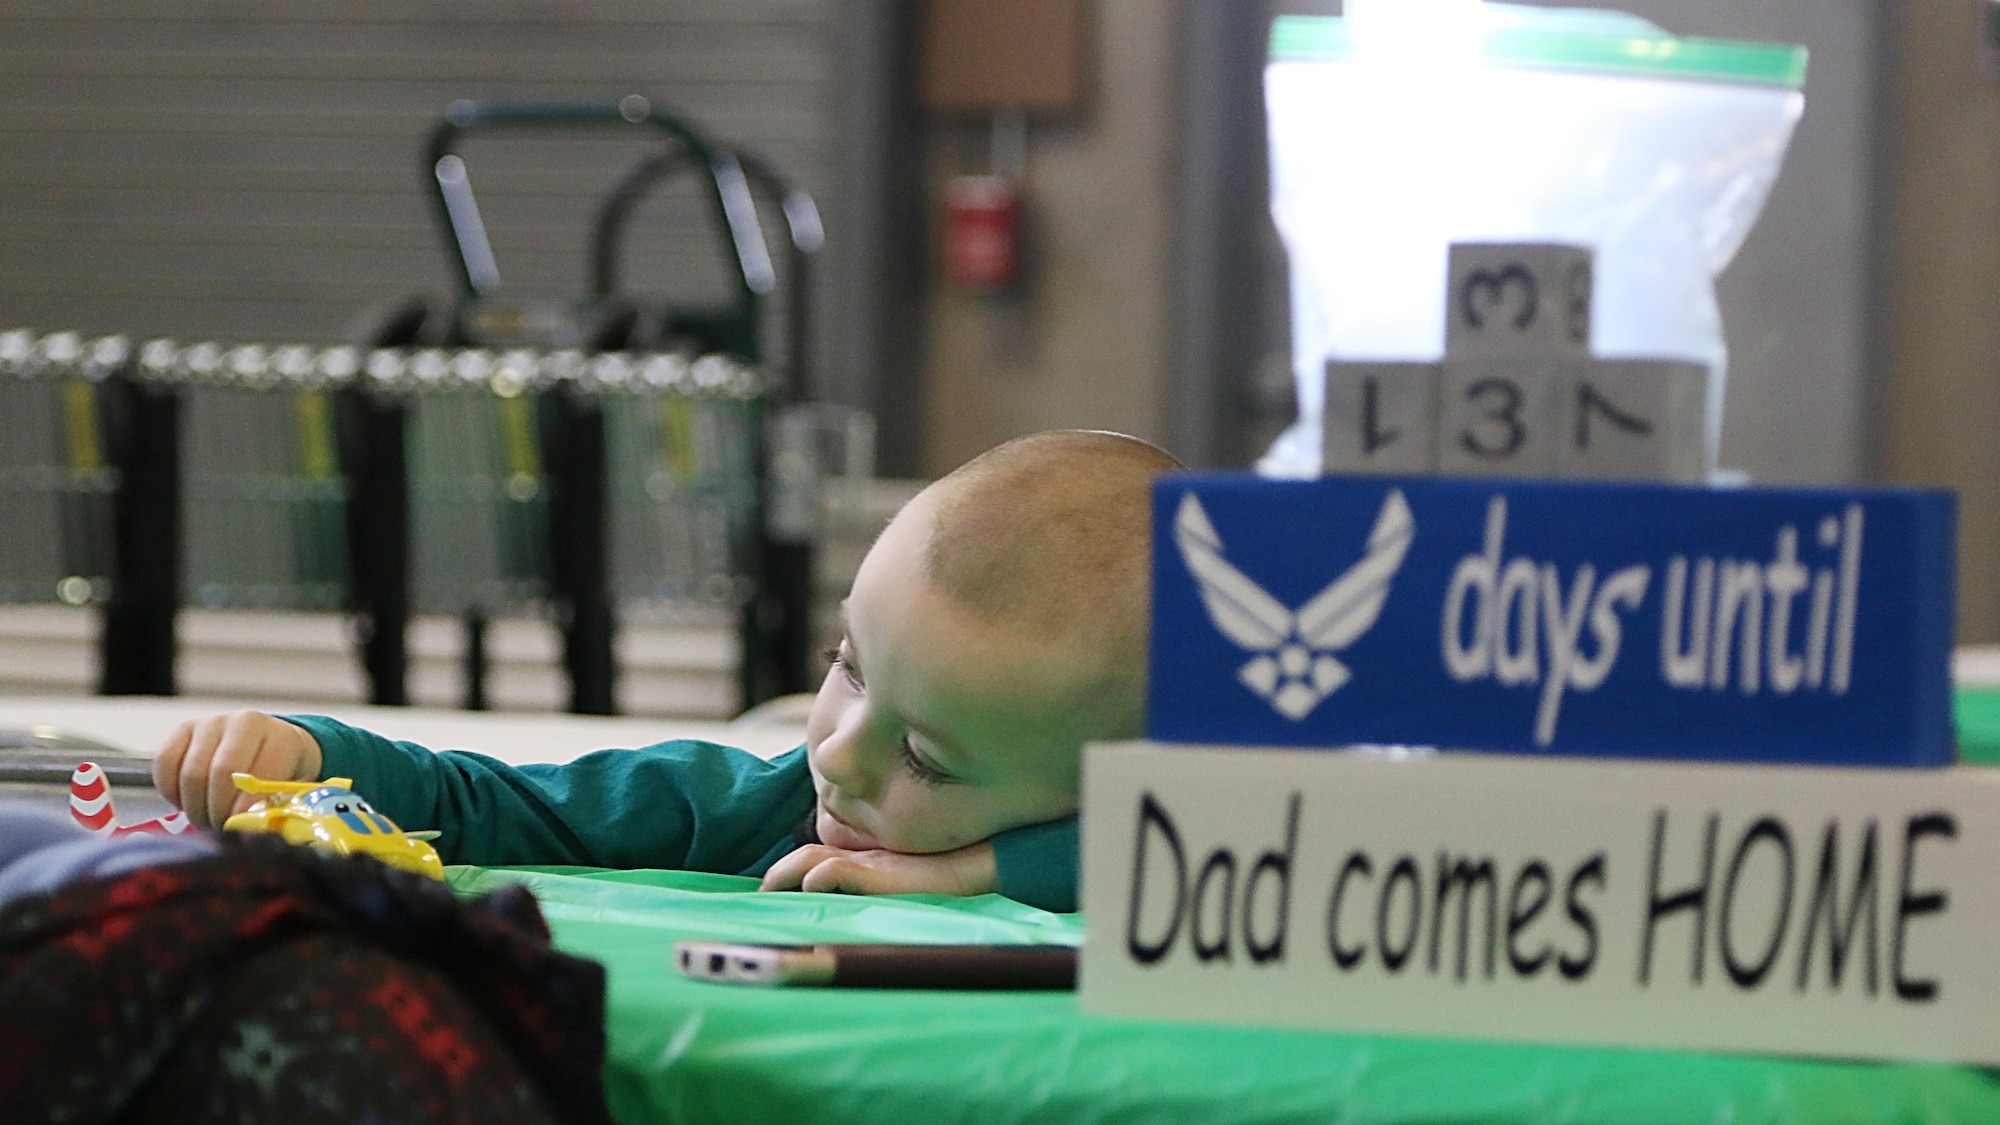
[817, 867]
[193, 768]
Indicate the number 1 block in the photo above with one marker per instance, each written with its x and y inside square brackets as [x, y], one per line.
[1635, 419]
[1381, 417]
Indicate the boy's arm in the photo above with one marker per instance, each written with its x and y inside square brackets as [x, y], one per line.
[689, 805]
[1036, 865]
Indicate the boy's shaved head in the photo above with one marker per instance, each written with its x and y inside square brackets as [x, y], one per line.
[996, 627]
[1052, 534]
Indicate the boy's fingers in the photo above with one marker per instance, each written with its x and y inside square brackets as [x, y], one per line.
[268, 757]
[791, 868]
[823, 869]
[826, 869]
[195, 766]
[243, 740]
[193, 785]
[167, 763]
[847, 874]
[219, 789]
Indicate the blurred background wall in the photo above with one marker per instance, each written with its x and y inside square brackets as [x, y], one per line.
[1939, 396]
[250, 171]
[1087, 339]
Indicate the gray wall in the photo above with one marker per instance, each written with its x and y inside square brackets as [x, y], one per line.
[250, 171]
[1086, 340]
[1941, 402]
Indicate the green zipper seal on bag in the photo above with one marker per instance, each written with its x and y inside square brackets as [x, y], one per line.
[1628, 53]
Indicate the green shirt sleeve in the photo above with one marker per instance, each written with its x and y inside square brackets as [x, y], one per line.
[1037, 864]
[685, 805]
[682, 805]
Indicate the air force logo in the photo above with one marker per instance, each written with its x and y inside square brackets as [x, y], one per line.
[1294, 668]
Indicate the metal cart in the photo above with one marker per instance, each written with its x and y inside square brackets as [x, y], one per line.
[537, 491]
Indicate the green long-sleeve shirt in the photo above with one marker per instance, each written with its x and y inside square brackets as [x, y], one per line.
[683, 804]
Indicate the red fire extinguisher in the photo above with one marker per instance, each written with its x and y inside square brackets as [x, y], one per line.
[982, 232]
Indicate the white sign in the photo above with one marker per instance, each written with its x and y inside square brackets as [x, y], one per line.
[1791, 910]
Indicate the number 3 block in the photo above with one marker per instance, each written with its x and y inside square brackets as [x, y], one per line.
[1635, 419]
[1497, 417]
[1517, 299]
[1381, 417]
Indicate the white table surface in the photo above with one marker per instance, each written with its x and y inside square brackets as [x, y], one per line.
[142, 723]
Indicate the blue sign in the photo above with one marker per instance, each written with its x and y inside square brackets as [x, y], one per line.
[1556, 617]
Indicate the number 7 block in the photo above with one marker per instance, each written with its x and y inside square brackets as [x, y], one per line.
[1634, 419]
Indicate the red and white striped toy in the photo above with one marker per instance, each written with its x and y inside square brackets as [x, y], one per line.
[90, 804]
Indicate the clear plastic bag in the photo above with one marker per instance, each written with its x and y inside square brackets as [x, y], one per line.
[1524, 125]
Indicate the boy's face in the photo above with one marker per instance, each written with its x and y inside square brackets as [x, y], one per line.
[935, 729]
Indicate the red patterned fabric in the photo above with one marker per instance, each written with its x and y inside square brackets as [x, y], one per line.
[277, 983]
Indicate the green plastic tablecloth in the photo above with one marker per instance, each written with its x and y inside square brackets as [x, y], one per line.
[1977, 714]
[687, 1051]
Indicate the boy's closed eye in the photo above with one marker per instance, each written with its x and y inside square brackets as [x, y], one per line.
[837, 658]
[918, 764]
[922, 768]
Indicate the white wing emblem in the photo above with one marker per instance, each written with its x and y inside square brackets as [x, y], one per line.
[1294, 668]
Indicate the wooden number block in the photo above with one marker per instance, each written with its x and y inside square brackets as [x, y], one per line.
[1517, 298]
[1381, 417]
[1634, 419]
[1497, 417]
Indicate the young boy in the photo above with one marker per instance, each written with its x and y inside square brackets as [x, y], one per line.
[997, 625]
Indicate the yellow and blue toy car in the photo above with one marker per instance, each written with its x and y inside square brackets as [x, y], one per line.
[329, 814]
